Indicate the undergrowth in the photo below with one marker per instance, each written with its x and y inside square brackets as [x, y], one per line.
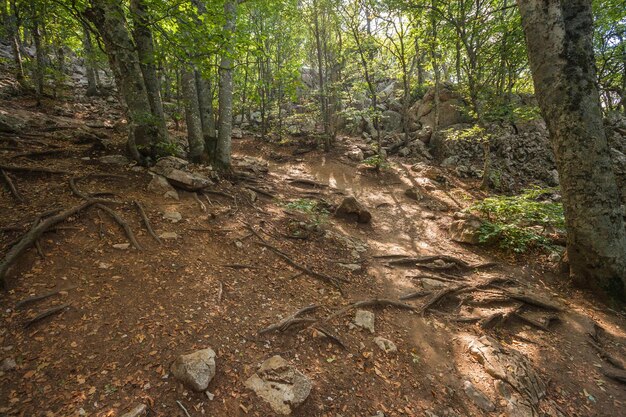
[520, 223]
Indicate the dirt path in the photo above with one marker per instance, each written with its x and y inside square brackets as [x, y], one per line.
[211, 284]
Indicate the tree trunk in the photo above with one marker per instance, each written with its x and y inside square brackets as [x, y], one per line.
[559, 38]
[90, 68]
[15, 43]
[226, 90]
[192, 116]
[205, 104]
[145, 51]
[108, 18]
[39, 69]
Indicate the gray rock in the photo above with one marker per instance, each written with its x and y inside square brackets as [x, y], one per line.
[169, 235]
[159, 185]
[365, 319]
[479, 398]
[385, 345]
[351, 209]
[196, 369]
[351, 267]
[391, 120]
[121, 246]
[355, 154]
[169, 162]
[466, 230]
[280, 384]
[8, 364]
[186, 180]
[138, 411]
[414, 194]
[119, 160]
[173, 216]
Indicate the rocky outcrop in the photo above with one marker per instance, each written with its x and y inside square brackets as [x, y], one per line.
[465, 229]
[451, 108]
[280, 384]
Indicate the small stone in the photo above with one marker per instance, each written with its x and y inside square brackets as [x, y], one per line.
[364, 319]
[209, 395]
[82, 412]
[351, 267]
[169, 235]
[238, 244]
[138, 411]
[122, 246]
[8, 364]
[159, 185]
[385, 345]
[466, 230]
[173, 216]
[119, 160]
[173, 194]
[479, 398]
[104, 265]
[414, 194]
[196, 369]
[280, 384]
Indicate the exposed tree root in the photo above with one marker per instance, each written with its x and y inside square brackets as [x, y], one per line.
[200, 203]
[291, 321]
[220, 193]
[304, 181]
[146, 221]
[438, 296]
[260, 191]
[39, 170]
[323, 277]
[74, 187]
[329, 334]
[240, 266]
[607, 356]
[36, 154]
[29, 239]
[44, 314]
[129, 233]
[615, 374]
[413, 295]
[12, 186]
[374, 302]
[39, 297]
[434, 262]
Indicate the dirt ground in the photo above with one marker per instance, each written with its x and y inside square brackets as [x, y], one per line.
[131, 312]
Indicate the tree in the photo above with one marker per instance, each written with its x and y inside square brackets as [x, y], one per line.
[225, 129]
[559, 40]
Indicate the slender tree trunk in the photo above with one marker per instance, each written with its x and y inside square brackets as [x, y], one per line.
[40, 65]
[145, 51]
[14, 38]
[320, 74]
[192, 116]
[559, 38]
[90, 70]
[224, 137]
[205, 103]
[108, 17]
[435, 62]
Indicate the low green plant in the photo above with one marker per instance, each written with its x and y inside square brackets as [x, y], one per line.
[517, 223]
[167, 149]
[313, 208]
[376, 161]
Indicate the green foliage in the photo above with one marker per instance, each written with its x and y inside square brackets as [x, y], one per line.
[307, 206]
[167, 149]
[517, 223]
[376, 161]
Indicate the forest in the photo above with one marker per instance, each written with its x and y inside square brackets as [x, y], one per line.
[313, 208]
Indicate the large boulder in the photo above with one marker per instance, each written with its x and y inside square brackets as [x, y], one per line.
[186, 180]
[280, 384]
[196, 369]
[391, 121]
[351, 209]
[451, 108]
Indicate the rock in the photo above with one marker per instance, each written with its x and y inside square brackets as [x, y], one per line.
[169, 235]
[365, 319]
[139, 411]
[280, 384]
[119, 160]
[509, 366]
[159, 185]
[466, 230]
[121, 246]
[196, 369]
[391, 120]
[8, 364]
[404, 152]
[385, 345]
[355, 154]
[168, 163]
[186, 180]
[351, 209]
[350, 267]
[414, 194]
[173, 216]
[479, 398]
[237, 133]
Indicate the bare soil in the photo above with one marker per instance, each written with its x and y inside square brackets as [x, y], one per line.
[132, 312]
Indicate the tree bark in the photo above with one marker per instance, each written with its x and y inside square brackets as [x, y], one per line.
[39, 69]
[108, 17]
[90, 67]
[224, 137]
[192, 116]
[145, 51]
[559, 38]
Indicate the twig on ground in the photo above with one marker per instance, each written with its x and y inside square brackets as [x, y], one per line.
[35, 298]
[374, 302]
[183, 408]
[200, 203]
[291, 320]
